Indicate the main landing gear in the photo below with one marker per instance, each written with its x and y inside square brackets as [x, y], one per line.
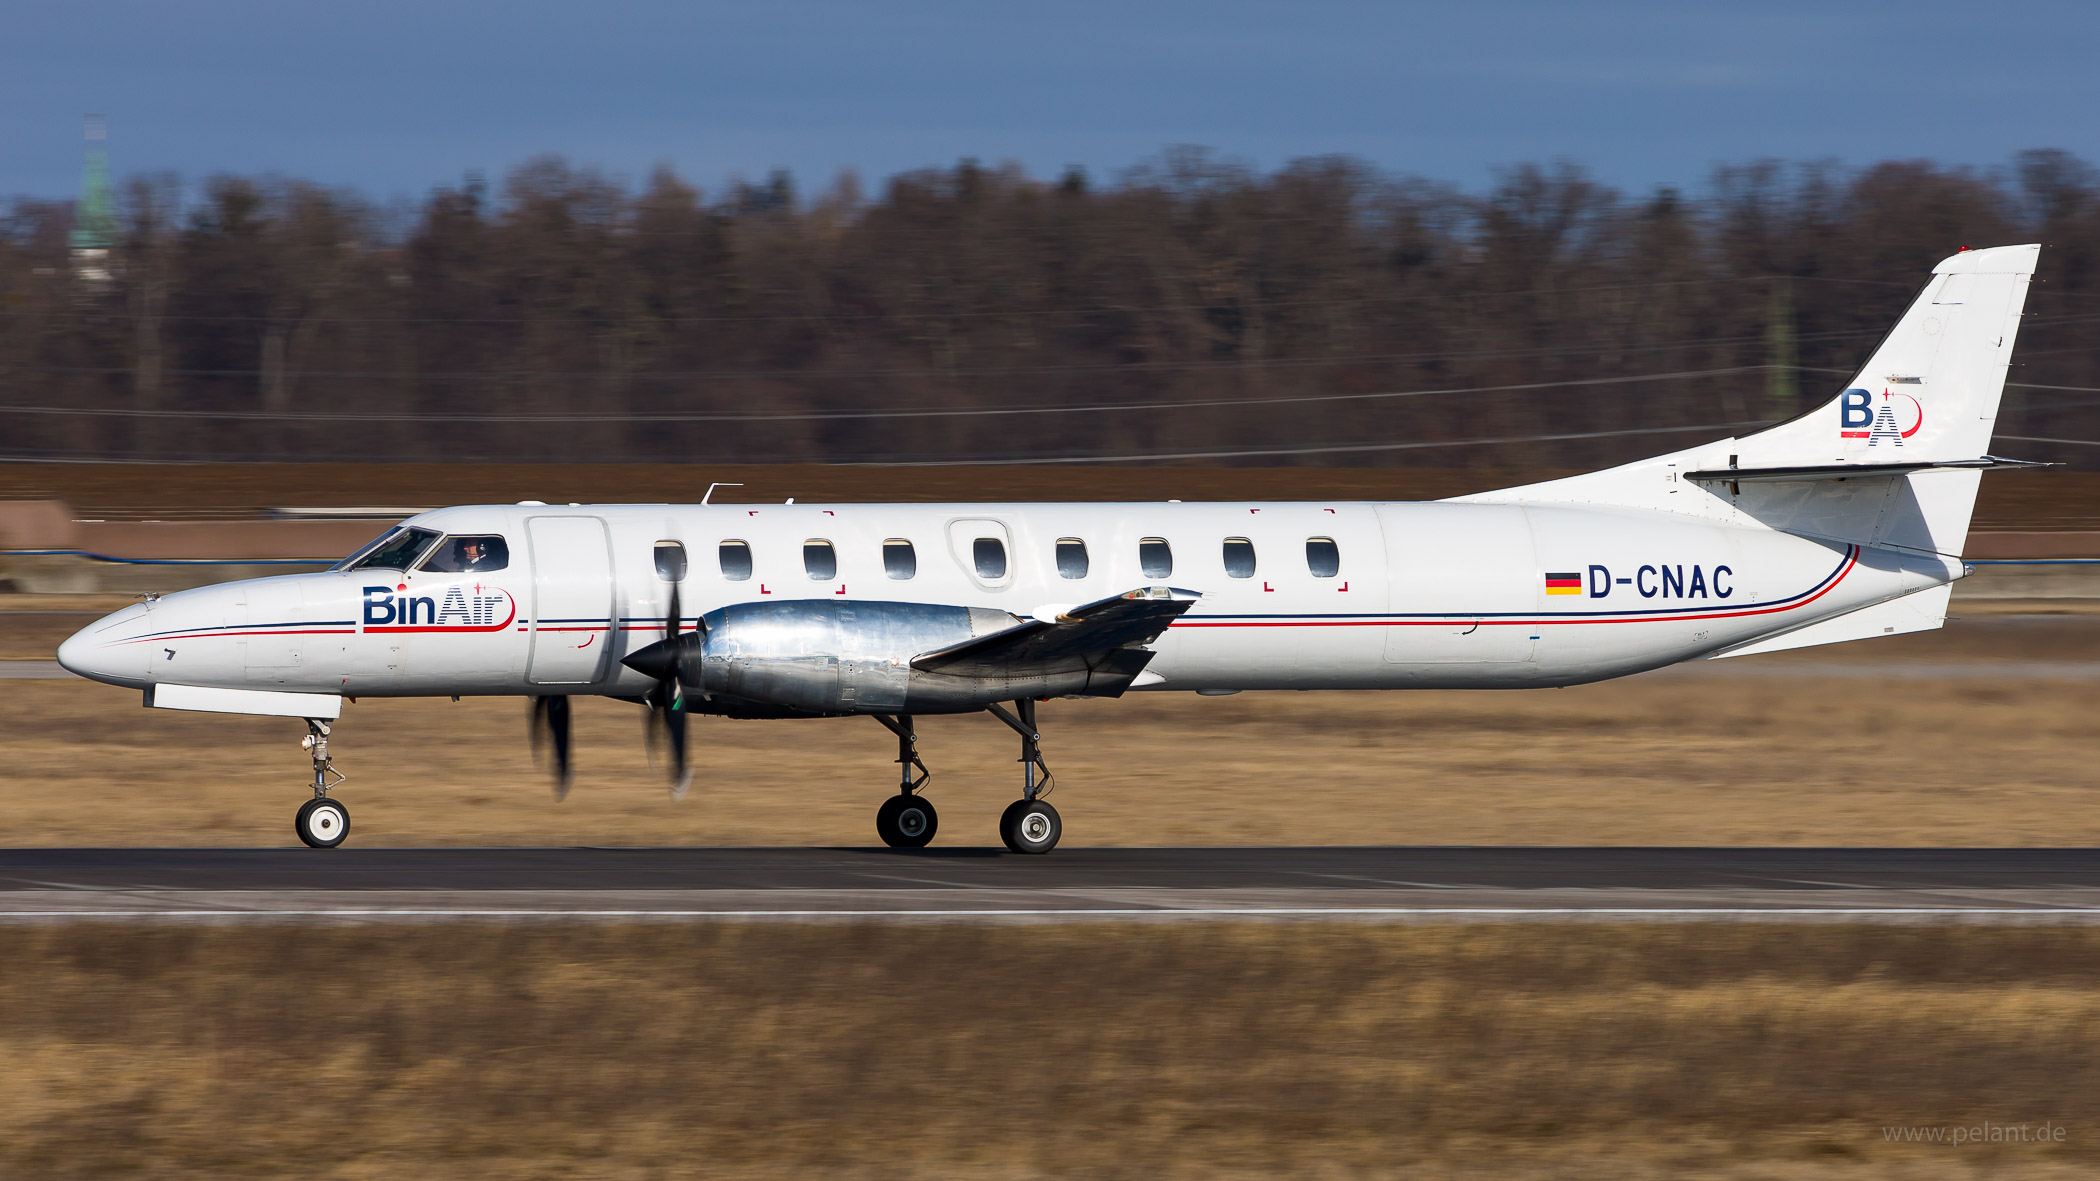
[906, 820]
[1029, 824]
[322, 823]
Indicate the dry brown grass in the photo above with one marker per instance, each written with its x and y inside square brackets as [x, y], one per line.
[1727, 755]
[1109, 1051]
[1701, 759]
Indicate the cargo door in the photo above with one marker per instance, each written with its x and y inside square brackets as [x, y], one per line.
[572, 599]
[1464, 584]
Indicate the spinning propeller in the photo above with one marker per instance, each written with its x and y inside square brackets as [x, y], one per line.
[667, 700]
[550, 726]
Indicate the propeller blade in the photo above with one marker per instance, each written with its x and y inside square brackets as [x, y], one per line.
[674, 725]
[670, 694]
[550, 726]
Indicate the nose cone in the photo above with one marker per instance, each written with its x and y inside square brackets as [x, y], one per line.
[655, 661]
[108, 650]
[667, 658]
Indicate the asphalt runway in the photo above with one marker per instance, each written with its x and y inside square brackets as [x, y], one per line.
[1944, 670]
[1436, 884]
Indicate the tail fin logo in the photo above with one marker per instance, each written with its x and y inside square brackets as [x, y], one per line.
[1890, 422]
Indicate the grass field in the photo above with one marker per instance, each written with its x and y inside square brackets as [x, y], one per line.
[1766, 750]
[1044, 1051]
[1202, 1050]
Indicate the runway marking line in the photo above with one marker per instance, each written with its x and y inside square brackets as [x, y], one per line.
[1520, 912]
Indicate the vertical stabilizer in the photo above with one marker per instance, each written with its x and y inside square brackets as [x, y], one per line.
[1929, 394]
[1931, 391]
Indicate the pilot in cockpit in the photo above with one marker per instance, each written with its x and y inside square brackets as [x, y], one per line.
[469, 555]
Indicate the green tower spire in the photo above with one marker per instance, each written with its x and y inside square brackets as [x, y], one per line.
[95, 219]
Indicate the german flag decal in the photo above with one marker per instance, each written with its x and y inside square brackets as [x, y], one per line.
[1564, 584]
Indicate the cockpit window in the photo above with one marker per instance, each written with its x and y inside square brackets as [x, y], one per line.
[397, 551]
[469, 555]
[364, 549]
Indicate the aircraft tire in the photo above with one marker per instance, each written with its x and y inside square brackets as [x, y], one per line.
[1031, 826]
[907, 822]
[322, 823]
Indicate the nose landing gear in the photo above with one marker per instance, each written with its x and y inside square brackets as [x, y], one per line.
[906, 820]
[321, 823]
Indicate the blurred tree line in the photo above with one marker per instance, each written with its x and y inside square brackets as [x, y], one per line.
[1323, 313]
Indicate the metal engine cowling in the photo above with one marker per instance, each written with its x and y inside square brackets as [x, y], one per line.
[832, 657]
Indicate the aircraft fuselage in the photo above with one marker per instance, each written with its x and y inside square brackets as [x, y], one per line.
[1294, 595]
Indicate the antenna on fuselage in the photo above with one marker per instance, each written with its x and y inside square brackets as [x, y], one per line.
[711, 490]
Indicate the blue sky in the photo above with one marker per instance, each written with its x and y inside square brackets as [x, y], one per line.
[394, 97]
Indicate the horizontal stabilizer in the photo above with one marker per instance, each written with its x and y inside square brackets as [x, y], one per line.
[1853, 471]
[1089, 637]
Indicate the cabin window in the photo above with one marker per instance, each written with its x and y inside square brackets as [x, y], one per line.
[1071, 558]
[1322, 557]
[820, 559]
[988, 554]
[478, 554]
[397, 552]
[1156, 557]
[736, 560]
[1239, 558]
[670, 561]
[899, 560]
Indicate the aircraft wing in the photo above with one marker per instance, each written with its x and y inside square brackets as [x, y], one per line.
[1102, 637]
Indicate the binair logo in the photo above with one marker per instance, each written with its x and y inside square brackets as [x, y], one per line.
[1891, 421]
[462, 609]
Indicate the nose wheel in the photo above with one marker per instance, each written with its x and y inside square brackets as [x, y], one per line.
[321, 823]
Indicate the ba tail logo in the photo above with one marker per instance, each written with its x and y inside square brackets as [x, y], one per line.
[1891, 419]
[474, 608]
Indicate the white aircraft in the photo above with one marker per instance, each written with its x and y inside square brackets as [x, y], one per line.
[1845, 522]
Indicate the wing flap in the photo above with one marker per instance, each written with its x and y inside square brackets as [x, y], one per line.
[1085, 638]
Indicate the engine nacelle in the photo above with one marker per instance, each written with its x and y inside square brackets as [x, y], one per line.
[828, 656]
[818, 656]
